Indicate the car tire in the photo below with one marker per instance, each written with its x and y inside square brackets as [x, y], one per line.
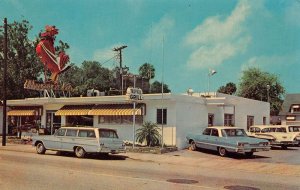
[193, 146]
[284, 147]
[40, 148]
[80, 152]
[249, 154]
[222, 151]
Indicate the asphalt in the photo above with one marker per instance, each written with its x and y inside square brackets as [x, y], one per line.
[194, 159]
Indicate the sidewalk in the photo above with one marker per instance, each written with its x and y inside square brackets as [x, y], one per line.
[185, 157]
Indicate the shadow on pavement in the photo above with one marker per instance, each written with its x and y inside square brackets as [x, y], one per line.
[287, 149]
[232, 155]
[94, 156]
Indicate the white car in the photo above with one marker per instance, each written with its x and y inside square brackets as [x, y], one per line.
[292, 129]
[80, 140]
[275, 134]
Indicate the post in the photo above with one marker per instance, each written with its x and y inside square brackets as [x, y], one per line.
[162, 93]
[133, 118]
[4, 84]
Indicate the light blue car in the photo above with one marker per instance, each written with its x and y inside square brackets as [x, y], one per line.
[80, 140]
[227, 139]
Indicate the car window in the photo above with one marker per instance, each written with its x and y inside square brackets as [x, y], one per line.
[294, 128]
[257, 130]
[233, 133]
[252, 130]
[108, 133]
[214, 132]
[265, 130]
[87, 133]
[71, 132]
[281, 129]
[61, 132]
[207, 131]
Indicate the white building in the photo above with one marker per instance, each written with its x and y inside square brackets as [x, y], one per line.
[176, 115]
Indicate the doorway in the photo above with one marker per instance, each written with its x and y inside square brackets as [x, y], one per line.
[53, 122]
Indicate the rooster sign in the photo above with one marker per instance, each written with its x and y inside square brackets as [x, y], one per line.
[55, 62]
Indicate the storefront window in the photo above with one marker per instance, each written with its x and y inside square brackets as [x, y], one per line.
[79, 120]
[119, 119]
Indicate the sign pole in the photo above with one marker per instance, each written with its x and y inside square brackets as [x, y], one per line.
[4, 84]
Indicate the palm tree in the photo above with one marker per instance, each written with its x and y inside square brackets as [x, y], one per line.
[149, 133]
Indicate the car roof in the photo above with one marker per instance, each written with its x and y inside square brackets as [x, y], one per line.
[224, 127]
[89, 128]
[267, 126]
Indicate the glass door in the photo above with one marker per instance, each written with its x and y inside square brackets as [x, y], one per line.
[53, 122]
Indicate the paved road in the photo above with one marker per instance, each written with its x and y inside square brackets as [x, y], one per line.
[27, 170]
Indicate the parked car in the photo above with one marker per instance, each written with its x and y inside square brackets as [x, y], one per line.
[81, 140]
[292, 129]
[273, 133]
[227, 139]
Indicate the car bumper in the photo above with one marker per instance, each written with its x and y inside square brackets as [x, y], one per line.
[252, 149]
[112, 151]
[285, 143]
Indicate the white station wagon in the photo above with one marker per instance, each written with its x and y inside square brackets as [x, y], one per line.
[274, 133]
[80, 140]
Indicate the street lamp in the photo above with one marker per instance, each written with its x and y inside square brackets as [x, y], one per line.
[211, 72]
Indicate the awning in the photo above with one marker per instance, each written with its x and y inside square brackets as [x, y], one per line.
[21, 113]
[74, 110]
[117, 109]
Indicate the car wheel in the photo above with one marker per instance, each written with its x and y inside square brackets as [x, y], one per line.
[284, 147]
[40, 148]
[193, 146]
[80, 152]
[222, 151]
[249, 154]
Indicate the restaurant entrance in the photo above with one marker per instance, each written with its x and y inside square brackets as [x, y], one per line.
[53, 122]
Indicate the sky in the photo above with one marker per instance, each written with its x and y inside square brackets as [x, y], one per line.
[183, 39]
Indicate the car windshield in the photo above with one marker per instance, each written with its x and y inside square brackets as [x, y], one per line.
[106, 133]
[233, 133]
[294, 128]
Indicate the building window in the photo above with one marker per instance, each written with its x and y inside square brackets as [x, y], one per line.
[290, 118]
[250, 121]
[264, 121]
[161, 116]
[119, 119]
[210, 119]
[295, 108]
[228, 120]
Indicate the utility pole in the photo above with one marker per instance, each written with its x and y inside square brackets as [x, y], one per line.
[119, 49]
[4, 84]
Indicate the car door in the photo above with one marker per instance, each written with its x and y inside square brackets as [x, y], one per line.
[204, 141]
[55, 141]
[69, 140]
[213, 139]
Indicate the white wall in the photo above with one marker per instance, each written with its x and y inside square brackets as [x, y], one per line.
[191, 117]
[246, 107]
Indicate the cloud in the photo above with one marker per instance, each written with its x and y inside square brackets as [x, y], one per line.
[216, 40]
[287, 61]
[158, 31]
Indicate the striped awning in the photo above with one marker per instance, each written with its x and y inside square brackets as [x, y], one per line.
[21, 113]
[74, 110]
[117, 109]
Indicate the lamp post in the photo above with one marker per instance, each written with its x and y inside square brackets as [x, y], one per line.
[211, 72]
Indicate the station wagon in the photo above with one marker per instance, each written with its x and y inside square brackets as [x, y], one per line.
[80, 140]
